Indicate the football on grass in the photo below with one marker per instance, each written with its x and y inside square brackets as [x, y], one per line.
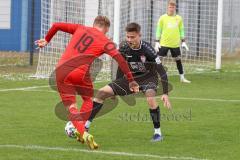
[70, 130]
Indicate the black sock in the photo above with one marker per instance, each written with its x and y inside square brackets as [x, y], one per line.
[155, 115]
[179, 66]
[96, 108]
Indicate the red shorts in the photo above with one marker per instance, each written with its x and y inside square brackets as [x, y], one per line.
[77, 82]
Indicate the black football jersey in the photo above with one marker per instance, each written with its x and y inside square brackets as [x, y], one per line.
[143, 61]
[140, 60]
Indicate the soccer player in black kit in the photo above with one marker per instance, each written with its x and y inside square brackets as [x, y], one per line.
[145, 65]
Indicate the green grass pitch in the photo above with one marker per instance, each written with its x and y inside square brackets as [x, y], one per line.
[204, 123]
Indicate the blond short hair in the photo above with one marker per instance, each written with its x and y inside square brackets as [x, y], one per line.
[101, 21]
[172, 2]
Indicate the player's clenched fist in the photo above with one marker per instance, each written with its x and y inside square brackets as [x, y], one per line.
[41, 43]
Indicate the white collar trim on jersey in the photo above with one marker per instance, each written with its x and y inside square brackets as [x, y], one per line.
[138, 48]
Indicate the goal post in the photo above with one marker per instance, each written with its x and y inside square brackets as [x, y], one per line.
[202, 20]
[117, 6]
[219, 35]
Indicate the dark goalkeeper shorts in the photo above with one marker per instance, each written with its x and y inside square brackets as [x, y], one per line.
[175, 52]
[121, 86]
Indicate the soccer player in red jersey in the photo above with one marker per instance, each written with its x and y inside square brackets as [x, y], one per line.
[72, 70]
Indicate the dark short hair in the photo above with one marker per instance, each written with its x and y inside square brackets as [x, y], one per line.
[102, 21]
[133, 27]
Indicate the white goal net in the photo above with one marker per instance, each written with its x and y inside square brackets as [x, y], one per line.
[201, 20]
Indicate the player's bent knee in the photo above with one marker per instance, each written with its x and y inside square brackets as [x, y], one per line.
[98, 100]
[150, 100]
[100, 96]
[103, 93]
[150, 93]
[152, 104]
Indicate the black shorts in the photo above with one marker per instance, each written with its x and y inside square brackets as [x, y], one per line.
[175, 52]
[121, 86]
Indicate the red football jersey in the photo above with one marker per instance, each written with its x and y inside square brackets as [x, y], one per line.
[87, 41]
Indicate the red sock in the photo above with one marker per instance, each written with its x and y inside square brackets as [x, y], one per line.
[79, 125]
[86, 108]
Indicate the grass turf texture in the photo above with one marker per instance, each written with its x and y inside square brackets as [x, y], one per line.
[200, 128]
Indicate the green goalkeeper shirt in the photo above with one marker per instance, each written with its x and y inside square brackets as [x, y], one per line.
[170, 31]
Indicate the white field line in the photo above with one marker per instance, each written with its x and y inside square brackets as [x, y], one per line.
[127, 154]
[206, 99]
[36, 89]
[23, 88]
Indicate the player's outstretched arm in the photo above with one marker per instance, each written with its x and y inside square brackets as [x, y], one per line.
[65, 27]
[164, 80]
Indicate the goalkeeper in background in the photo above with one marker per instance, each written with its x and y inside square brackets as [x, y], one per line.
[169, 35]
